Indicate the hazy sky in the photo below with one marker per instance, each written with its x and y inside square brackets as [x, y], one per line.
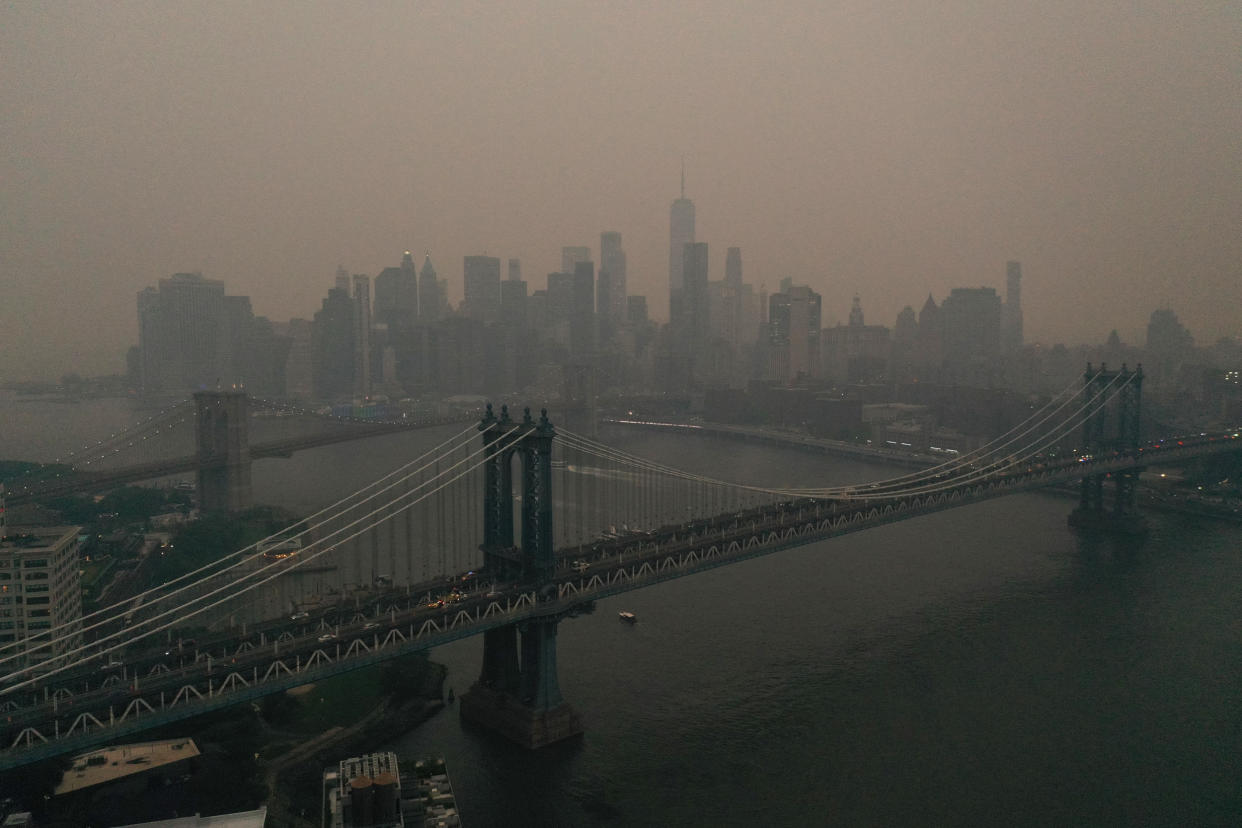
[886, 148]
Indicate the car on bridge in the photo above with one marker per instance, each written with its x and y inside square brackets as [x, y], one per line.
[326, 637]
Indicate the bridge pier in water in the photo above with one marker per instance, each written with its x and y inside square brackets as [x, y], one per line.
[221, 438]
[1113, 427]
[518, 693]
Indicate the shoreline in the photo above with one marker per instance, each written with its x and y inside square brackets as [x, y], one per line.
[287, 777]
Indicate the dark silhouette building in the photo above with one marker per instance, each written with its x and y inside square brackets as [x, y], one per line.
[612, 271]
[482, 288]
[971, 331]
[396, 295]
[1011, 318]
[431, 298]
[332, 347]
[582, 313]
[680, 233]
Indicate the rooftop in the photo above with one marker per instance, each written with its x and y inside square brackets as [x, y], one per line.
[112, 763]
[37, 537]
[241, 819]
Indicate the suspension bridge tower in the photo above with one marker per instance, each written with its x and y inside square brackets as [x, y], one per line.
[517, 693]
[1113, 427]
[222, 441]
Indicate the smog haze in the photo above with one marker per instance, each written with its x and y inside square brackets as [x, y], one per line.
[888, 150]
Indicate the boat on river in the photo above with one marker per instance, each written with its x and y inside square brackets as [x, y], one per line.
[628, 617]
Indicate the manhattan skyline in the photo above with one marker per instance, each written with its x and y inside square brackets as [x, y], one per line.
[884, 151]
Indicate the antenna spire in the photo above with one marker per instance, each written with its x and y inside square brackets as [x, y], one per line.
[683, 176]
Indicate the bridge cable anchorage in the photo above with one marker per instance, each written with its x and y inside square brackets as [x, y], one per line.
[256, 550]
[182, 610]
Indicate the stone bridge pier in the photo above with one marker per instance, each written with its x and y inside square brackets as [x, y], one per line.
[221, 437]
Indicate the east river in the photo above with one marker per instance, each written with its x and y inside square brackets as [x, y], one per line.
[983, 666]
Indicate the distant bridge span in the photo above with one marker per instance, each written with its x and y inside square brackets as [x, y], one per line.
[90, 481]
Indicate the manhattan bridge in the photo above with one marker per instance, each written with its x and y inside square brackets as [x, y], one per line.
[506, 528]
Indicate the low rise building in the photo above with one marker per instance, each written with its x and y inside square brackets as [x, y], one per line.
[40, 596]
[370, 791]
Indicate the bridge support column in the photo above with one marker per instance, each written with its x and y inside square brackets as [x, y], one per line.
[533, 714]
[221, 436]
[1112, 427]
[501, 560]
[520, 698]
[501, 671]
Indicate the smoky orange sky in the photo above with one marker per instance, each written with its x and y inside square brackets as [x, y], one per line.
[888, 149]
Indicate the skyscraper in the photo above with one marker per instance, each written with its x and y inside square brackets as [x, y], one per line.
[183, 334]
[612, 263]
[407, 299]
[482, 288]
[733, 267]
[582, 312]
[332, 347]
[680, 233]
[695, 322]
[794, 320]
[396, 295]
[571, 256]
[1011, 318]
[513, 302]
[430, 300]
[515, 270]
[971, 326]
[362, 336]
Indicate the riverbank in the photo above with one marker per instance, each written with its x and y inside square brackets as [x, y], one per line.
[273, 751]
[294, 778]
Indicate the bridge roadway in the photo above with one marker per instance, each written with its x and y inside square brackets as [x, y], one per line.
[68, 714]
[81, 481]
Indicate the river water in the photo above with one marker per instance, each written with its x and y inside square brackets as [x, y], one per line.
[980, 666]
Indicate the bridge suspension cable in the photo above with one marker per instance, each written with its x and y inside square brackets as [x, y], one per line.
[1045, 412]
[339, 536]
[909, 483]
[606, 452]
[237, 587]
[131, 436]
[157, 594]
[976, 472]
[1001, 447]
